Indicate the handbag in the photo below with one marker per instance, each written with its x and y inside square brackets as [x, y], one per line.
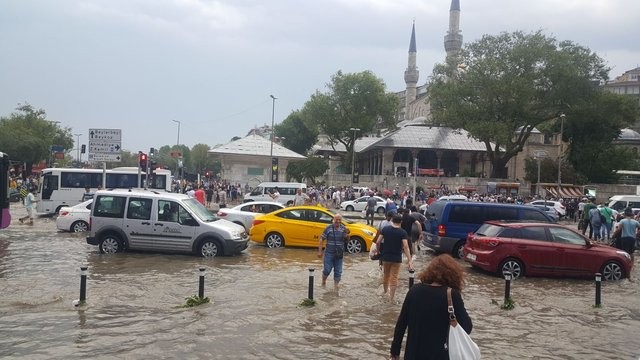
[460, 344]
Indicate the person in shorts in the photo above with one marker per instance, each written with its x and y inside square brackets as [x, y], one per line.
[627, 230]
[29, 203]
[396, 242]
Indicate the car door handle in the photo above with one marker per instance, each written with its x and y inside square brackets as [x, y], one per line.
[146, 223]
[158, 224]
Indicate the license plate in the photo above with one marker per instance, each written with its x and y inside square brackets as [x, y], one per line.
[471, 257]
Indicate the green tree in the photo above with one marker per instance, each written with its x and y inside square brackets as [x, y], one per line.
[308, 169]
[299, 135]
[591, 129]
[549, 171]
[200, 160]
[508, 84]
[354, 100]
[27, 136]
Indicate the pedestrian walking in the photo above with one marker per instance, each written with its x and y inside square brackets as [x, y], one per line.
[29, 203]
[425, 311]
[370, 209]
[336, 234]
[396, 242]
[627, 231]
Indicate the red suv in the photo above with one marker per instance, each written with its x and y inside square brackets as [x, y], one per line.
[542, 249]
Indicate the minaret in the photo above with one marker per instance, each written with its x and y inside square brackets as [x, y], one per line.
[411, 74]
[453, 39]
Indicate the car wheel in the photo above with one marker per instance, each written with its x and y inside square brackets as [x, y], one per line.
[458, 250]
[349, 208]
[381, 210]
[355, 245]
[79, 226]
[612, 271]
[209, 248]
[512, 266]
[274, 240]
[110, 244]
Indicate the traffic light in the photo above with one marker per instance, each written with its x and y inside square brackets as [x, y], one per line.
[152, 151]
[83, 149]
[153, 165]
[142, 161]
[356, 178]
[274, 169]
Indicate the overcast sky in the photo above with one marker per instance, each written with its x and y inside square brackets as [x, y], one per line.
[136, 65]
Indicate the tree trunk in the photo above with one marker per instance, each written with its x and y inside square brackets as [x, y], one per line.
[498, 168]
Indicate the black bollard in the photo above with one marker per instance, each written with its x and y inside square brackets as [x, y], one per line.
[598, 288]
[507, 286]
[311, 270]
[201, 285]
[411, 278]
[83, 284]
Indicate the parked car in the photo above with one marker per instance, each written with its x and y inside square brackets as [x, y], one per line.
[542, 249]
[452, 221]
[14, 195]
[621, 202]
[551, 211]
[562, 211]
[152, 221]
[301, 226]
[244, 214]
[360, 203]
[74, 218]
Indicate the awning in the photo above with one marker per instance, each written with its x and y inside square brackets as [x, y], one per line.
[566, 191]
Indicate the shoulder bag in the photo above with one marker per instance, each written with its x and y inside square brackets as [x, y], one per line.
[460, 345]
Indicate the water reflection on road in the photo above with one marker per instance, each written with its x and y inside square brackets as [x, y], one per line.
[134, 307]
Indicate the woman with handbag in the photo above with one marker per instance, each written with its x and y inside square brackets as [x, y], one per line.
[425, 312]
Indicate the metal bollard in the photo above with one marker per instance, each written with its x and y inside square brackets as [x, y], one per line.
[311, 270]
[411, 278]
[598, 288]
[507, 285]
[83, 284]
[201, 284]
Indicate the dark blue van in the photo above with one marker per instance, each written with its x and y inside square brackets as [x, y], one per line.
[451, 221]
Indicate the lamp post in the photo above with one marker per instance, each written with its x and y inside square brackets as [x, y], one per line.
[78, 148]
[177, 144]
[562, 116]
[273, 112]
[353, 153]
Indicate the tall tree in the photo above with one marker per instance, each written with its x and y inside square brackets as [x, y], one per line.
[309, 169]
[27, 136]
[503, 86]
[353, 101]
[200, 160]
[298, 135]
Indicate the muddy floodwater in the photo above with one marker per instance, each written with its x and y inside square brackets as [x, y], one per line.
[134, 307]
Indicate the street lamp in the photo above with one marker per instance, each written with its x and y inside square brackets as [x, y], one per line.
[78, 148]
[273, 112]
[353, 153]
[177, 145]
[562, 116]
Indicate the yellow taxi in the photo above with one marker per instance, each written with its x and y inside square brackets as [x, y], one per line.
[302, 226]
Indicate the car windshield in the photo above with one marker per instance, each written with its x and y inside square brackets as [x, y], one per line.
[199, 210]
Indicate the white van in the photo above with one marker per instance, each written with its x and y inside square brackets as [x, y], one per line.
[621, 202]
[160, 221]
[287, 191]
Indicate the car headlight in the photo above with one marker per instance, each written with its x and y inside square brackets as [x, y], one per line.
[236, 234]
[624, 253]
[370, 233]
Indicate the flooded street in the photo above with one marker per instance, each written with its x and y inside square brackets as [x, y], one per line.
[134, 307]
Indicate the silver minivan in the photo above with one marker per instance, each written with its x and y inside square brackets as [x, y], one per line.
[158, 221]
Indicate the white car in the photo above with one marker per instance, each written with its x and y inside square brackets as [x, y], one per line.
[560, 209]
[74, 218]
[244, 214]
[360, 203]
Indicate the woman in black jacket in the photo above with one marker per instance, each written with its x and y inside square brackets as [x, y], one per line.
[424, 312]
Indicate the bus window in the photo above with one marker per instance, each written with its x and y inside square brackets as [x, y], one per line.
[49, 184]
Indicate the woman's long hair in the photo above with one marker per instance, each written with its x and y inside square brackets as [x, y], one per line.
[445, 271]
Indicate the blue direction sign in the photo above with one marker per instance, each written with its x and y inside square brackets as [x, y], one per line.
[105, 145]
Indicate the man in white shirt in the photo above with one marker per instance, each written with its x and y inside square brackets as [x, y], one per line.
[275, 195]
[29, 203]
[300, 198]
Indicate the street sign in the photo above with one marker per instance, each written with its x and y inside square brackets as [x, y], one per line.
[105, 145]
[105, 157]
[540, 153]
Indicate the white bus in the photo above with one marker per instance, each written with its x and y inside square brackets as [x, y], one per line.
[60, 187]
